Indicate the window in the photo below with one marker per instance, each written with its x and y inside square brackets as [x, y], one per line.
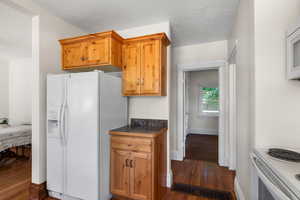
[209, 101]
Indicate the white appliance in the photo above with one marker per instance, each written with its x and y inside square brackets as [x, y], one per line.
[275, 178]
[81, 108]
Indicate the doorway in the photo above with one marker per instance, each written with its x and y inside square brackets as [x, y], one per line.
[206, 134]
[221, 116]
[16, 74]
[202, 115]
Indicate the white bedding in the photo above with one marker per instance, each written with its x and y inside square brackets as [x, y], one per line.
[13, 136]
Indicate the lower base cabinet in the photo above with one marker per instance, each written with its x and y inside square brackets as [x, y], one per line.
[138, 166]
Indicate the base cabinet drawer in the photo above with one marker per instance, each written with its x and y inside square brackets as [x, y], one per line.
[132, 144]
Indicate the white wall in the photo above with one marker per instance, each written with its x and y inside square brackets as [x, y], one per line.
[243, 32]
[47, 30]
[20, 91]
[4, 82]
[189, 55]
[198, 122]
[272, 102]
[276, 99]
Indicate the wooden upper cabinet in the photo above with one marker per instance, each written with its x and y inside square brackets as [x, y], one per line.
[73, 54]
[91, 51]
[97, 51]
[144, 72]
[131, 69]
[151, 70]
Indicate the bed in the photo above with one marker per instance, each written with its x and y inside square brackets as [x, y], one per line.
[14, 136]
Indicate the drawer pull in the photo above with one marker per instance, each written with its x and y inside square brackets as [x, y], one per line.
[126, 163]
[131, 163]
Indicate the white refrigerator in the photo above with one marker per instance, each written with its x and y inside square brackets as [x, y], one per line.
[81, 108]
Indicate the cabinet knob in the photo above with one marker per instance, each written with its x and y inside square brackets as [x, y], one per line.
[138, 82]
[82, 59]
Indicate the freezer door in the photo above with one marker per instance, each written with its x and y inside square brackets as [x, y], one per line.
[55, 97]
[82, 136]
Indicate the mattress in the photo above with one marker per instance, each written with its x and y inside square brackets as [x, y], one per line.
[13, 136]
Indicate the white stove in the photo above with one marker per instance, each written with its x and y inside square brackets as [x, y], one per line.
[277, 176]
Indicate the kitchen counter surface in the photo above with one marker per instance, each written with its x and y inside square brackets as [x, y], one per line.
[145, 128]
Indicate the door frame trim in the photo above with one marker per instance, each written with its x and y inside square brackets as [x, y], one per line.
[221, 66]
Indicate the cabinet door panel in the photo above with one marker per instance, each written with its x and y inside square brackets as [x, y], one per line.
[150, 67]
[97, 51]
[131, 70]
[73, 55]
[140, 176]
[119, 173]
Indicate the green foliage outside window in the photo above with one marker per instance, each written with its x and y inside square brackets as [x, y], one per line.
[210, 99]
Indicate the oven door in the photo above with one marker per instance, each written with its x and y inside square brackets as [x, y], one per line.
[269, 183]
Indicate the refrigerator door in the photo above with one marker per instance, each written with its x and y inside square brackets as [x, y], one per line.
[55, 97]
[82, 136]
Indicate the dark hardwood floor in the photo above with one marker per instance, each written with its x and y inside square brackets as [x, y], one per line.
[202, 147]
[15, 179]
[203, 174]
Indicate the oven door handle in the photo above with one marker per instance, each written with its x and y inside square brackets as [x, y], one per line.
[272, 188]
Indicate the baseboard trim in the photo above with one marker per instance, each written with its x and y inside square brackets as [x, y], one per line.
[175, 156]
[170, 179]
[238, 190]
[203, 131]
[38, 191]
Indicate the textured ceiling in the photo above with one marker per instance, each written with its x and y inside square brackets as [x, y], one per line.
[15, 34]
[192, 21]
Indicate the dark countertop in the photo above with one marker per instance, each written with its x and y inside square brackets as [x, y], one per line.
[133, 129]
[144, 127]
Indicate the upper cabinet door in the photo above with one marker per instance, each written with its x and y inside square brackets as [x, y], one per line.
[73, 55]
[131, 69]
[150, 67]
[97, 51]
[140, 176]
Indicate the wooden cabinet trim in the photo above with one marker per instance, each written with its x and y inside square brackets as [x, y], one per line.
[157, 36]
[92, 36]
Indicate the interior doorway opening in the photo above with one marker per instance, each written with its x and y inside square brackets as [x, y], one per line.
[223, 113]
[202, 110]
[16, 91]
[206, 130]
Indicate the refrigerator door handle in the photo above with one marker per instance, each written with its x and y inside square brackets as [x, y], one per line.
[63, 110]
[60, 122]
[63, 124]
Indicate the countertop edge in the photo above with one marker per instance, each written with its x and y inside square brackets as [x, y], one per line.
[139, 134]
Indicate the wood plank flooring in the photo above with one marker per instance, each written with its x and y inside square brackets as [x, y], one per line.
[203, 174]
[15, 180]
[202, 147]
